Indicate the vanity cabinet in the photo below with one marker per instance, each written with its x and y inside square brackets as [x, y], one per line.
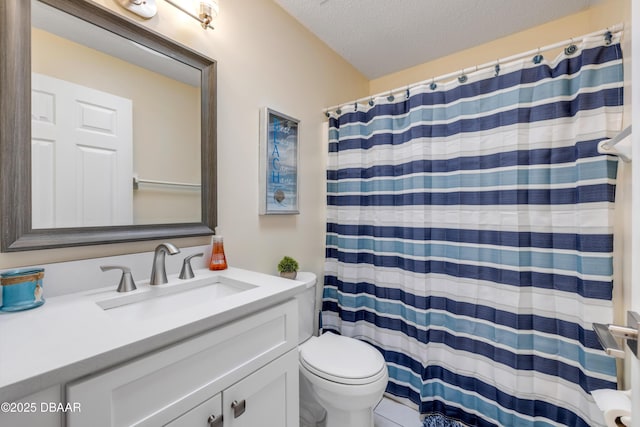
[244, 372]
[263, 398]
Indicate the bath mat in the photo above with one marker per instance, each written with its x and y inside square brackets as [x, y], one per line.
[438, 420]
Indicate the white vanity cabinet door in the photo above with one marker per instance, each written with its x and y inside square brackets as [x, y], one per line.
[207, 414]
[157, 388]
[268, 397]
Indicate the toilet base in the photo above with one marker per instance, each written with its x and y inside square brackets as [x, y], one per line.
[312, 414]
[328, 404]
[338, 418]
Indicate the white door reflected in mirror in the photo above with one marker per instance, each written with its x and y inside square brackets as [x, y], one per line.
[165, 122]
[82, 155]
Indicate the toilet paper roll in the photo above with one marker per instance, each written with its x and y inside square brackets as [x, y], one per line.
[613, 404]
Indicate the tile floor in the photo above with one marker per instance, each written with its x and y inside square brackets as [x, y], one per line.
[389, 413]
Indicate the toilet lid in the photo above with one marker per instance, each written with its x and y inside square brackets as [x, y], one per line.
[342, 359]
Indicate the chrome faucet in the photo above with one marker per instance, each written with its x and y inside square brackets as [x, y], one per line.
[159, 271]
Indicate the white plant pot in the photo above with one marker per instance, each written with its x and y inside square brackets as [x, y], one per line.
[289, 274]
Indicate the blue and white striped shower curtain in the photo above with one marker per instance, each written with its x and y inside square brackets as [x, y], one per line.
[469, 238]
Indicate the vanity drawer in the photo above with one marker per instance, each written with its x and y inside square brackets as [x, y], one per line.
[156, 388]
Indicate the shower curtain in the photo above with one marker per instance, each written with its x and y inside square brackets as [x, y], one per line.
[469, 237]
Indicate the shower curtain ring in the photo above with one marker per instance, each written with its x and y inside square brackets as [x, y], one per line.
[433, 84]
[371, 102]
[497, 68]
[607, 37]
[538, 58]
[463, 77]
[390, 98]
[571, 49]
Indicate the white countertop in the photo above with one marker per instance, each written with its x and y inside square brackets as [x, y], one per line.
[72, 336]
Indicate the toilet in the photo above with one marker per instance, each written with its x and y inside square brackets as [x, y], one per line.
[341, 379]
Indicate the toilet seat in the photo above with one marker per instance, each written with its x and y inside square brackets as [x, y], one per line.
[342, 360]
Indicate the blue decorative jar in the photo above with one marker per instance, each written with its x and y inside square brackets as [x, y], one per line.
[21, 289]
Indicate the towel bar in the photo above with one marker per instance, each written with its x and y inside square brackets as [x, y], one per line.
[607, 335]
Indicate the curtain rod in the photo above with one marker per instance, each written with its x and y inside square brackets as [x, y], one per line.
[484, 66]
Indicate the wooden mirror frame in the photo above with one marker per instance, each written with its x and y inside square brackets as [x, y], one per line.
[16, 231]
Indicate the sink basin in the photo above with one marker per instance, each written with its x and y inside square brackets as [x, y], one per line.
[151, 301]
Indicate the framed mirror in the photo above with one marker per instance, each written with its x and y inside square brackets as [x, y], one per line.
[156, 196]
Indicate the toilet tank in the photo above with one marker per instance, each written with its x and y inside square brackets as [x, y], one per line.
[306, 306]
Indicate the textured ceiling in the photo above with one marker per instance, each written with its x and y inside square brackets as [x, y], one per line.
[379, 37]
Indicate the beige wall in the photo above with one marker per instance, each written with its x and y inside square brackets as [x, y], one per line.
[265, 58]
[608, 13]
[633, 233]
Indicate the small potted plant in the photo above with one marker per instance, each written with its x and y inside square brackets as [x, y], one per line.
[288, 267]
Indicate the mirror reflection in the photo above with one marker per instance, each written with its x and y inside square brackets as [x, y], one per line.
[115, 129]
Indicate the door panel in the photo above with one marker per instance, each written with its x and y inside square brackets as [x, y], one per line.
[82, 155]
[271, 390]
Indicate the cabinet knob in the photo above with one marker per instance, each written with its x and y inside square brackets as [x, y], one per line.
[238, 407]
[214, 421]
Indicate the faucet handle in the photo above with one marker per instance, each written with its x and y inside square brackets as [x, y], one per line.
[187, 271]
[126, 281]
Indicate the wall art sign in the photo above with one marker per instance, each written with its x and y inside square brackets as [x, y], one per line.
[278, 163]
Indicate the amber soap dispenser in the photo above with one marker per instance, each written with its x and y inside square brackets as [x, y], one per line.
[218, 260]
